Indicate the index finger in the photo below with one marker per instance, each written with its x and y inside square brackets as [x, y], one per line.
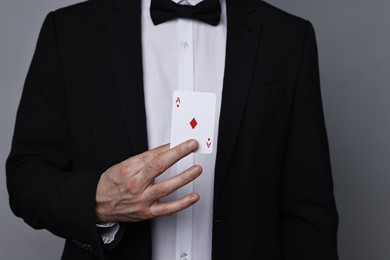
[166, 159]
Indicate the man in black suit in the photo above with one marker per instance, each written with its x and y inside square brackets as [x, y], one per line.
[273, 191]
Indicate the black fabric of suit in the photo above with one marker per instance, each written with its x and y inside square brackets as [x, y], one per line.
[82, 111]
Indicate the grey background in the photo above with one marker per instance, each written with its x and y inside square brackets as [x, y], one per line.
[354, 40]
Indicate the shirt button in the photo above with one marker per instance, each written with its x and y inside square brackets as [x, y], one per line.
[184, 256]
[185, 45]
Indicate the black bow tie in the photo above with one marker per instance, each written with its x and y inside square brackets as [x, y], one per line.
[208, 11]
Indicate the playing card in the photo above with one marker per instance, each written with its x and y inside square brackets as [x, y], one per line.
[193, 117]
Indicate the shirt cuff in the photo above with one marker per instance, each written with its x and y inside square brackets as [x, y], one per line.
[108, 231]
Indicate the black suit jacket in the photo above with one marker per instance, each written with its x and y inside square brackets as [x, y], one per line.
[82, 110]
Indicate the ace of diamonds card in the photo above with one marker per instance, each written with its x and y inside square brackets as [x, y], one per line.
[193, 117]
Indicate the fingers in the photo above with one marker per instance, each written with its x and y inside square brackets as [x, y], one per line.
[170, 185]
[165, 160]
[169, 208]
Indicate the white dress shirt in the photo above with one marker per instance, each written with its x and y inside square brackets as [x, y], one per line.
[182, 54]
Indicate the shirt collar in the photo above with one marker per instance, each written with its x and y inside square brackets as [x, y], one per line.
[191, 2]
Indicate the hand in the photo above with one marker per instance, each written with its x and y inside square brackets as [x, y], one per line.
[126, 192]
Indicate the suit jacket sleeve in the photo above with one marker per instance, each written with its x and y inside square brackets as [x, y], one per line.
[308, 213]
[44, 189]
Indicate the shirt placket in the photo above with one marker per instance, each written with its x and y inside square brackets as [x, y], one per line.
[185, 82]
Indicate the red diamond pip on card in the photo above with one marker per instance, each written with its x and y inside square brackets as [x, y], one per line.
[193, 123]
[193, 117]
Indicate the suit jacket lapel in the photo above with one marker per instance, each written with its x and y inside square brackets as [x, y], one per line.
[124, 34]
[243, 38]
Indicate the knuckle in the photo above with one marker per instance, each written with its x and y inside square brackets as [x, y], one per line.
[133, 187]
[188, 176]
[144, 213]
[157, 164]
[160, 191]
[182, 205]
[180, 150]
[124, 168]
[167, 211]
[146, 158]
[184, 178]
